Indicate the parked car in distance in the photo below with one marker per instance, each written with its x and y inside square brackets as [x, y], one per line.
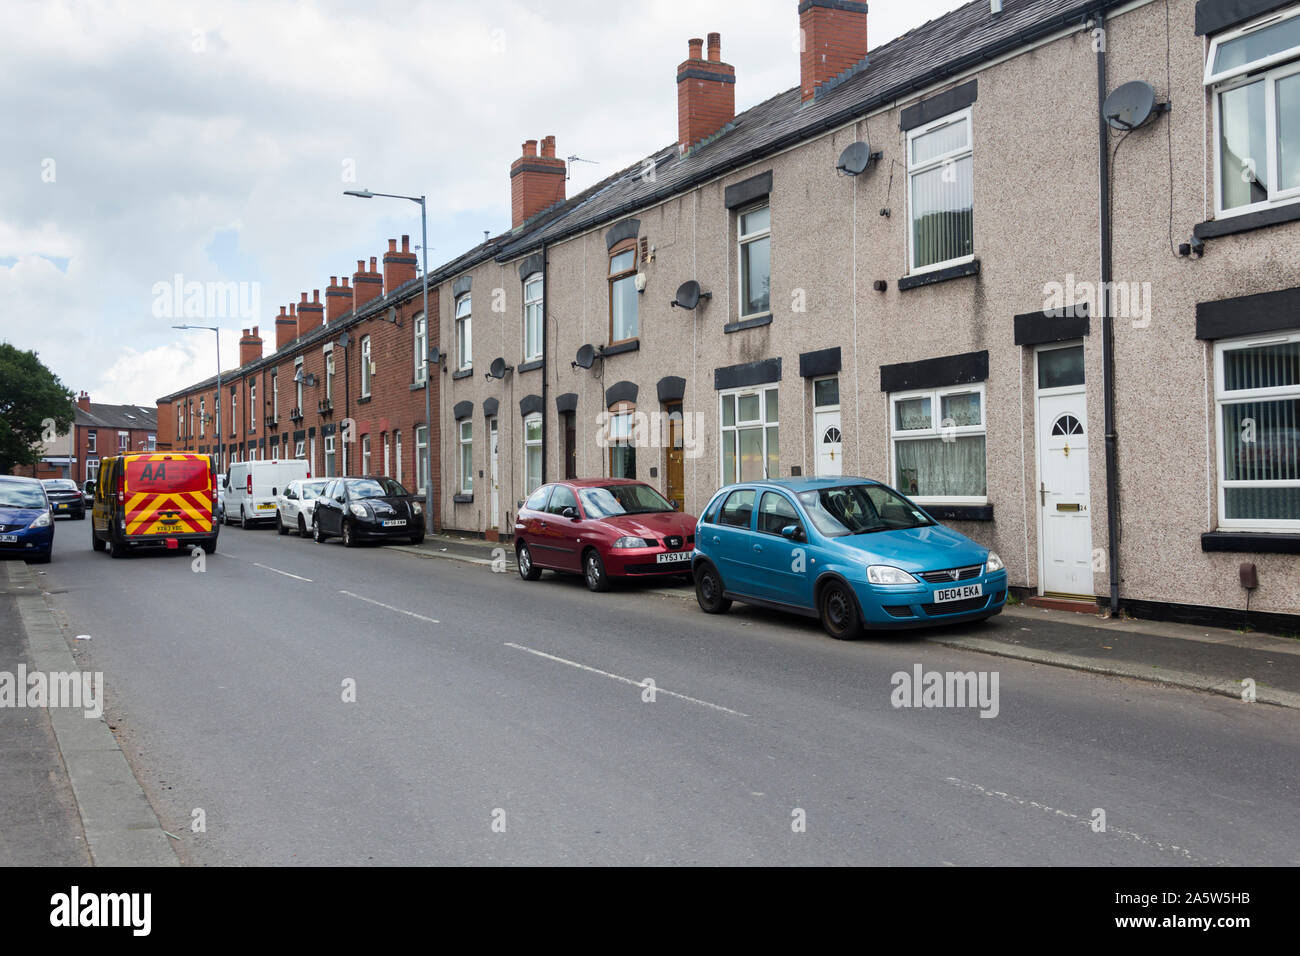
[26, 522]
[252, 488]
[88, 493]
[602, 528]
[65, 498]
[372, 508]
[850, 551]
[294, 505]
[221, 498]
[154, 500]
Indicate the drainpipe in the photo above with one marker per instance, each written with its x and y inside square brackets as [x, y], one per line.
[1107, 328]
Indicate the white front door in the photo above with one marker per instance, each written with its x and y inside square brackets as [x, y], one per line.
[830, 443]
[1063, 493]
[495, 486]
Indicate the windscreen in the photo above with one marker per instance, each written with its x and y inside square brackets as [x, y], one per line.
[621, 500]
[167, 475]
[15, 494]
[60, 484]
[860, 509]
[375, 488]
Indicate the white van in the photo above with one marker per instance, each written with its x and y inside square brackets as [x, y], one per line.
[252, 487]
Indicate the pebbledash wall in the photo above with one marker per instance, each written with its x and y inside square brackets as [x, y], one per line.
[961, 382]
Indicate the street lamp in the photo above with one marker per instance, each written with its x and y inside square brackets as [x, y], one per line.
[428, 338]
[217, 410]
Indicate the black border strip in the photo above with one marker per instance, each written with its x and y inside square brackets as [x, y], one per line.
[940, 105]
[1249, 314]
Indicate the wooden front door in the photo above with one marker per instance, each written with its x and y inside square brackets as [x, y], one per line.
[675, 472]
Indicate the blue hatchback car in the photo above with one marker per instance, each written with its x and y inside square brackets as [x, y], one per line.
[850, 551]
[26, 524]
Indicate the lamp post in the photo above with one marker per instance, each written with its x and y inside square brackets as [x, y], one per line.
[217, 409]
[428, 337]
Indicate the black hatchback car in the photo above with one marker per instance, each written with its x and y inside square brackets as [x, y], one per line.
[367, 509]
[65, 498]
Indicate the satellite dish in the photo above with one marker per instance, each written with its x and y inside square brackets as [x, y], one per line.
[689, 295]
[392, 314]
[854, 159]
[435, 355]
[343, 340]
[1130, 106]
[586, 357]
[498, 368]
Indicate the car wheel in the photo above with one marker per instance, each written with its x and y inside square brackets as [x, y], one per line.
[42, 558]
[243, 519]
[839, 611]
[593, 571]
[302, 527]
[81, 517]
[317, 535]
[524, 559]
[417, 538]
[210, 545]
[708, 590]
[349, 535]
[116, 548]
[279, 524]
[96, 542]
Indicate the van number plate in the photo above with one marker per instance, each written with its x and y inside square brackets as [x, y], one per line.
[959, 593]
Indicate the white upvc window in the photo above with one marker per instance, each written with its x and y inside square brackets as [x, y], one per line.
[90, 441]
[329, 373]
[203, 419]
[1257, 394]
[421, 348]
[1253, 73]
[300, 449]
[622, 441]
[365, 366]
[533, 317]
[234, 412]
[329, 457]
[297, 380]
[464, 333]
[123, 441]
[397, 450]
[252, 406]
[532, 453]
[754, 238]
[275, 395]
[466, 457]
[941, 193]
[750, 429]
[365, 454]
[938, 444]
[151, 443]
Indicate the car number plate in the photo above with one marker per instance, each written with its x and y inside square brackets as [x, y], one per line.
[396, 523]
[266, 507]
[672, 557]
[961, 593]
[8, 539]
[63, 504]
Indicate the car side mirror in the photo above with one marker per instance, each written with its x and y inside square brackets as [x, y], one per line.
[519, 503]
[676, 506]
[90, 487]
[340, 498]
[273, 491]
[792, 531]
[570, 512]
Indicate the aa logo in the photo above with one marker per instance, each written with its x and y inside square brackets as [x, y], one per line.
[154, 471]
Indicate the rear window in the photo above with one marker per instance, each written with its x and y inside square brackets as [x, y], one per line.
[167, 475]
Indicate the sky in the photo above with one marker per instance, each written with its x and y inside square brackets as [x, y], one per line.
[150, 144]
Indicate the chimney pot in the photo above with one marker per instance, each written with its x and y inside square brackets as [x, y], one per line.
[406, 243]
[706, 93]
[530, 147]
[374, 262]
[304, 297]
[715, 47]
[834, 40]
[345, 279]
[696, 48]
[392, 245]
[244, 333]
[255, 335]
[334, 280]
[315, 295]
[292, 308]
[282, 311]
[535, 185]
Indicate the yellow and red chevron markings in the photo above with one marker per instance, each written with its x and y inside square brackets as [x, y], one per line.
[182, 512]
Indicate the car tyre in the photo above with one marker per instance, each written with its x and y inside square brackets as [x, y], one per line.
[593, 571]
[96, 542]
[524, 559]
[302, 527]
[210, 545]
[43, 558]
[116, 548]
[417, 538]
[317, 535]
[349, 535]
[280, 528]
[709, 590]
[838, 609]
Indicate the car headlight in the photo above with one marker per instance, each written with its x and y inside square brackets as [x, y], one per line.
[42, 520]
[417, 508]
[358, 510]
[884, 574]
[993, 563]
[630, 542]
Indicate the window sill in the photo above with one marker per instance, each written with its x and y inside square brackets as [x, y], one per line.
[364, 400]
[462, 499]
[959, 271]
[1246, 222]
[416, 386]
[959, 512]
[632, 345]
[529, 366]
[1253, 542]
[463, 373]
[742, 324]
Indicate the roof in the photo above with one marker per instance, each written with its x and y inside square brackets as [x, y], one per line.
[940, 48]
[117, 416]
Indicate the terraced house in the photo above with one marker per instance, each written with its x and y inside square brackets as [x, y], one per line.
[1034, 263]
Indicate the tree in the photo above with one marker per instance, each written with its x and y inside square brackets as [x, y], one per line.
[34, 405]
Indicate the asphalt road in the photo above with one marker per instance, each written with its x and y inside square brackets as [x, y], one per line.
[503, 722]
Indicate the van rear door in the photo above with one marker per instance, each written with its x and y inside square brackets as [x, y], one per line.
[168, 494]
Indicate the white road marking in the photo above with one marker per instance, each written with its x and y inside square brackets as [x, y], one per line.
[278, 571]
[625, 680]
[1075, 818]
[390, 607]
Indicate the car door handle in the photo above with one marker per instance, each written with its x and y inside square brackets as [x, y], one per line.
[716, 539]
[758, 547]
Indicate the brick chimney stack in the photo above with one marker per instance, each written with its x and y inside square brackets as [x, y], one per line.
[286, 329]
[83, 401]
[536, 182]
[310, 314]
[366, 286]
[706, 93]
[250, 347]
[399, 267]
[834, 39]
[338, 299]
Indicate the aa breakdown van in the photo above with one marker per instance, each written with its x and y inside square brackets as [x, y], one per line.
[154, 501]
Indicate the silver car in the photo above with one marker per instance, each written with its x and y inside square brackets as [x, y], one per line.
[294, 505]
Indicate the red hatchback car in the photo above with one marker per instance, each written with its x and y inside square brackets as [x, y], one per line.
[602, 528]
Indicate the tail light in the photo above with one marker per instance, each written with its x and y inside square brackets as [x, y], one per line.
[249, 486]
[121, 488]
